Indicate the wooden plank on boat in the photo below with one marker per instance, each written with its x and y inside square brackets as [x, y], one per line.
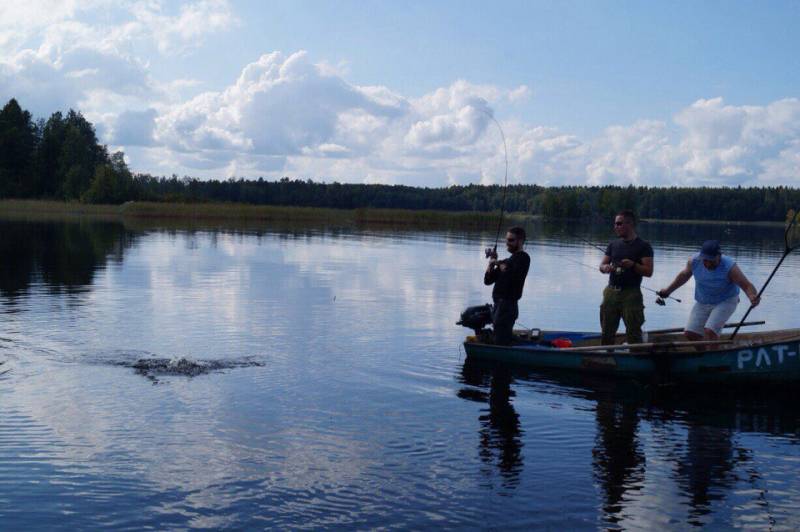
[649, 345]
[681, 329]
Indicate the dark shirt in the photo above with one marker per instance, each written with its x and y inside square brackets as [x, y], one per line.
[635, 250]
[508, 284]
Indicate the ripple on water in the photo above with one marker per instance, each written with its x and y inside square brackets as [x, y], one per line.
[314, 380]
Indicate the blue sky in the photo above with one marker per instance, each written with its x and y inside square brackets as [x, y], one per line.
[654, 93]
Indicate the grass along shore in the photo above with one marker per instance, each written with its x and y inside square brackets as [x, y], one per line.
[38, 209]
[246, 213]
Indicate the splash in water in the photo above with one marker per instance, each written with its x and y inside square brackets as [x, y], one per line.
[181, 366]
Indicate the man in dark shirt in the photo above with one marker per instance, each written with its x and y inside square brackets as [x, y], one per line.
[508, 277]
[627, 260]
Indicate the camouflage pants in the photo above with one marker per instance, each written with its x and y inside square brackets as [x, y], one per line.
[627, 304]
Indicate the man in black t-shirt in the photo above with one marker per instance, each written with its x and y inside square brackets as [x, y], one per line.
[627, 260]
[508, 277]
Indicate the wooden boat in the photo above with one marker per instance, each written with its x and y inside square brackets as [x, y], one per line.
[756, 357]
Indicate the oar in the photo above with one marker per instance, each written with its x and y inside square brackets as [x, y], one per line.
[660, 345]
[791, 238]
[681, 329]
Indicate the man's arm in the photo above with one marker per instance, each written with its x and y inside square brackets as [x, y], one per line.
[683, 276]
[644, 268]
[605, 265]
[516, 266]
[491, 272]
[737, 276]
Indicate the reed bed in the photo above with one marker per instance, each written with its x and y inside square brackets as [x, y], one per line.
[239, 212]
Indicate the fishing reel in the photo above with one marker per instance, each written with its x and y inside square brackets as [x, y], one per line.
[491, 253]
[660, 301]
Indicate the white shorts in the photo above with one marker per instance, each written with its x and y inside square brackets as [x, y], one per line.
[713, 317]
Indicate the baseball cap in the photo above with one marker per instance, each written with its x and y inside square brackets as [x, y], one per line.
[710, 250]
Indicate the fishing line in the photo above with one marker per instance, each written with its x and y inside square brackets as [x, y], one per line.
[589, 242]
[568, 259]
[505, 177]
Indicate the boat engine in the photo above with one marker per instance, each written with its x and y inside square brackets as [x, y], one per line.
[476, 318]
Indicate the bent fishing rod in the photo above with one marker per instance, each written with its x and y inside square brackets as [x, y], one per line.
[492, 252]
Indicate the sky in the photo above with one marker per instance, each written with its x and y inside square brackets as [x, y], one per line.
[422, 92]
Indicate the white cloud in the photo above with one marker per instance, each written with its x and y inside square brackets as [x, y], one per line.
[53, 59]
[134, 128]
[289, 115]
[177, 33]
[280, 106]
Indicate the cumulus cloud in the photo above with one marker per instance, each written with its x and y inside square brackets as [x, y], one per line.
[281, 106]
[327, 128]
[291, 115]
[53, 59]
[134, 128]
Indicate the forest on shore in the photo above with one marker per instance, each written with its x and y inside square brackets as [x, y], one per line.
[61, 158]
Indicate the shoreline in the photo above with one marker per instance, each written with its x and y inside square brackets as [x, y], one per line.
[243, 212]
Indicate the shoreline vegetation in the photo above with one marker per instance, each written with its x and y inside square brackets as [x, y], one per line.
[247, 213]
[207, 212]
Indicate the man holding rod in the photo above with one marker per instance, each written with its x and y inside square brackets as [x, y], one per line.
[627, 259]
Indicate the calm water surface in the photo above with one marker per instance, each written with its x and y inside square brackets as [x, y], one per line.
[313, 378]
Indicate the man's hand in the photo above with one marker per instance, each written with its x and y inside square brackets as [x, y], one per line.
[627, 264]
[754, 299]
[503, 266]
[606, 268]
[663, 293]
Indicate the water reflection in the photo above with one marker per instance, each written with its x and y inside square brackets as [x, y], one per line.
[645, 437]
[337, 400]
[618, 459]
[58, 255]
[500, 432]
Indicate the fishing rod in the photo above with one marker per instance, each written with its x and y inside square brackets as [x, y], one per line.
[659, 300]
[590, 243]
[492, 252]
[791, 239]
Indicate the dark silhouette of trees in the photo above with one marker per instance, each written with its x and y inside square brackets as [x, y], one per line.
[18, 141]
[112, 183]
[69, 154]
[61, 159]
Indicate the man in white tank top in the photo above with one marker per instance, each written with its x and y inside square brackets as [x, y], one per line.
[716, 292]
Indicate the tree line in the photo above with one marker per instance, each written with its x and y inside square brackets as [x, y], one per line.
[61, 158]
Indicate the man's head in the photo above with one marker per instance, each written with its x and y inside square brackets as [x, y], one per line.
[711, 254]
[625, 223]
[515, 239]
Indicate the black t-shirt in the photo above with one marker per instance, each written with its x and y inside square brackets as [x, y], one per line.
[635, 250]
[508, 284]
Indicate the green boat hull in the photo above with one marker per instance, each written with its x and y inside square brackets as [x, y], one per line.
[766, 362]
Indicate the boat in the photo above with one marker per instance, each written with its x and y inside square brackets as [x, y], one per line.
[750, 358]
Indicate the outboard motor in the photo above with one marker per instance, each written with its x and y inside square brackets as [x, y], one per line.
[476, 318]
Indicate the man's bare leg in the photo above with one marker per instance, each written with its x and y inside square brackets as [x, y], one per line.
[694, 337]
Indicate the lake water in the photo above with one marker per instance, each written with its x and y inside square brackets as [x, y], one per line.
[314, 378]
